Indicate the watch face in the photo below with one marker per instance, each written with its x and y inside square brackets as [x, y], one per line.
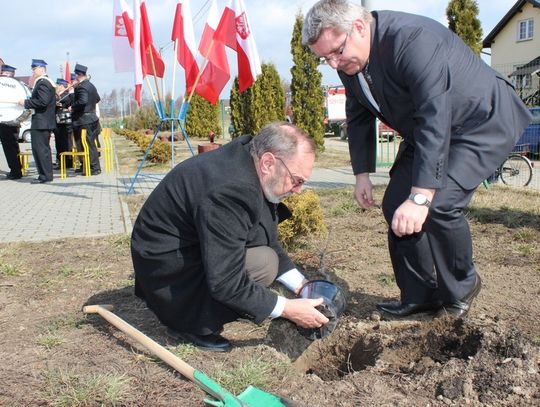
[420, 199]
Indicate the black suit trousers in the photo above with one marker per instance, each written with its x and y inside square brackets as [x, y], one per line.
[8, 136]
[62, 140]
[42, 153]
[92, 134]
[437, 262]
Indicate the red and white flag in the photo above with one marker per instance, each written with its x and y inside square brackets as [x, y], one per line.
[152, 64]
[138, 71]
[234, 31]
[122, 50]
[216, 73]
[184, 36]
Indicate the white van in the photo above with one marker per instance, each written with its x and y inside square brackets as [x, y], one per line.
[24, 132]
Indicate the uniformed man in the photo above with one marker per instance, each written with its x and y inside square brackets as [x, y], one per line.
[83, 112]
[43, 101]
[9, 134]
[64, 129]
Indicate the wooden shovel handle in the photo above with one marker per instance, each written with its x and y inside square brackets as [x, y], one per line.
[155, 348]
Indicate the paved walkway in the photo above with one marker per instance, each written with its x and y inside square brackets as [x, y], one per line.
[74, 207]
[92, 206]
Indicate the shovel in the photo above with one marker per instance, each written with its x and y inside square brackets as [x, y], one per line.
[251, 397]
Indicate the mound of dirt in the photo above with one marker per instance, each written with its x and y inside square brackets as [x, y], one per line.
[444, 361]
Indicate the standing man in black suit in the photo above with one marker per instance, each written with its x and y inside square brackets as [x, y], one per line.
[43, 101]
[63, 133]
[83, 111]
[459, 119]
[9, 135]
[205, 245]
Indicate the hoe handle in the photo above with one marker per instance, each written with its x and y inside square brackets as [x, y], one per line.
[155, 348]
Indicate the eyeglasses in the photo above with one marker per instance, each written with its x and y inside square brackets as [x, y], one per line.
[296, 181]
[336, 54]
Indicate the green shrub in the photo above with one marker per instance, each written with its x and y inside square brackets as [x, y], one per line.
[307, 219]
[161, 151]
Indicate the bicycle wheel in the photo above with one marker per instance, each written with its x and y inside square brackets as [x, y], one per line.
[516, 171]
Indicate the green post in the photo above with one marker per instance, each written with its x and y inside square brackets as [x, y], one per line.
[222, 108]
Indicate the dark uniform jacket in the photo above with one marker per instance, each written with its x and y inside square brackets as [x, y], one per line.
[461, 117]
[83, 106]
[190, 238]
[43, 101]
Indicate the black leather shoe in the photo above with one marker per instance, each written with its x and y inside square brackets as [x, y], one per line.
[397, 309]
[460, 308]
[78, 171]
[9, 176]
[40, 181]
[211, 342]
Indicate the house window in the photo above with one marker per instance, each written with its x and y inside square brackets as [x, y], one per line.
[526, 81]
[525, 29]
[522, 81]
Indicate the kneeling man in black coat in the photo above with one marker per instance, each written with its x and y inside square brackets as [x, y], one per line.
[205, 245]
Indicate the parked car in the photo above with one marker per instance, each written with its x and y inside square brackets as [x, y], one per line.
[24, 132]
[529, 142]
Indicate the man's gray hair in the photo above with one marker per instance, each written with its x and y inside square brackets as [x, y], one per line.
[281, 139]
[336, 15]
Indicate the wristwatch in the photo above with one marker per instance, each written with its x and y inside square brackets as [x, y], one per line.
[420, 199]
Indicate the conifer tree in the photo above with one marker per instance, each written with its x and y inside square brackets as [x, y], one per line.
[463, 20]
[238, 110]
[268, 101]
[202, 118]
[262, 103]
[307, 100]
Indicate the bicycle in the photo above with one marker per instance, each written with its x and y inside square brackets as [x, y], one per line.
[516, 171]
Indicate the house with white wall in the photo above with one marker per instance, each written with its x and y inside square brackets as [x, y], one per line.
[515, 48]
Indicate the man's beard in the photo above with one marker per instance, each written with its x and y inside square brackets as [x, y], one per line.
[270, 187]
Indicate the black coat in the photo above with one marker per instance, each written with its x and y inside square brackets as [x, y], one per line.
[461, 116]
[83, 106]
[190, 238]
[43, 101]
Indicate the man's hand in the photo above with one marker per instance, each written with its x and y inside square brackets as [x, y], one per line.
[302, 312]
[363, 190]
[409, 217]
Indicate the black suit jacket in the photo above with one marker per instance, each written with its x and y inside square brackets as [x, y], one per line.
[83, 106]
[190, 238]
[461, 117]
[43, 101]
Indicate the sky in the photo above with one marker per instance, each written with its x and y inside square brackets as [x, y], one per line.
[50, 29]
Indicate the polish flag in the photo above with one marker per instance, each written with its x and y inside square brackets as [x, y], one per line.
[121, 44]
[152, 63]
[234, 31]
[216, 73]
[184, 37]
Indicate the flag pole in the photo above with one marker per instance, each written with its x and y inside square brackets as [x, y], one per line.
[171, 109]
[152, 92]
[171, 106]
[160, 105]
